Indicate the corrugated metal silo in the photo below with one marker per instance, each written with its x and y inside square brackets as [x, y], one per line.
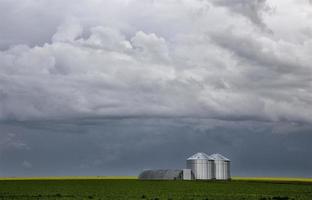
[201, 165]
[222, 167]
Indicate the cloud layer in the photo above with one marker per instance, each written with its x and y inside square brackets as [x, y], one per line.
[127, 146]
[202, 59]
[90, 87]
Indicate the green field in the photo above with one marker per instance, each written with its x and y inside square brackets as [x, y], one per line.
[112, 188]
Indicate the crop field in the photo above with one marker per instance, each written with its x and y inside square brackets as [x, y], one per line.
[114, 188]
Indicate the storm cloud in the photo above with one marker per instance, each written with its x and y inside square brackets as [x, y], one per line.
[232, 63]
[127, 146]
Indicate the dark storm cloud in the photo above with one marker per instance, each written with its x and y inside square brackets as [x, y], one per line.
[124, 147]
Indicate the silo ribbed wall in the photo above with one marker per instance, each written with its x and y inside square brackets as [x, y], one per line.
[222, 170]
[227, 173]
[202, 169]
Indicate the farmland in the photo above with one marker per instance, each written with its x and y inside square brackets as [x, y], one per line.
[112, 188]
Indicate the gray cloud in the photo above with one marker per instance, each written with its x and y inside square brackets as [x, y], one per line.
[105, 71]
[252, 9]
[26, 164]
[127, 146]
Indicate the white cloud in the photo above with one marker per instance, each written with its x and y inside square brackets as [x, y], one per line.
[68, 31]
[164, 58]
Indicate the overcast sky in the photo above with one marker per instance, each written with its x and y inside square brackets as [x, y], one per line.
[111, 87]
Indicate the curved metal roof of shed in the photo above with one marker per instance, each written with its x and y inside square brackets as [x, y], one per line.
[161, 174]
[199, 156]
[218, 156]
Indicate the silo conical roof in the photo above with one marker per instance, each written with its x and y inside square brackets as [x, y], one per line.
[199, 156]
[218, 156]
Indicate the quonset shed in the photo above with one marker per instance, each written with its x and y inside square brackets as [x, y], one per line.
[161, 174]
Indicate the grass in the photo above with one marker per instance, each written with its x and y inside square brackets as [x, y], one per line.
[114, 188]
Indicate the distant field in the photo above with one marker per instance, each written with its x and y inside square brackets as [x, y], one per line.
[273, 179]
[69, 178]
[118, 188]
[278, 179]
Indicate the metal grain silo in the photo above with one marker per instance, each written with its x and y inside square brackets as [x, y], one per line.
[201, 165]
[221, 166]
